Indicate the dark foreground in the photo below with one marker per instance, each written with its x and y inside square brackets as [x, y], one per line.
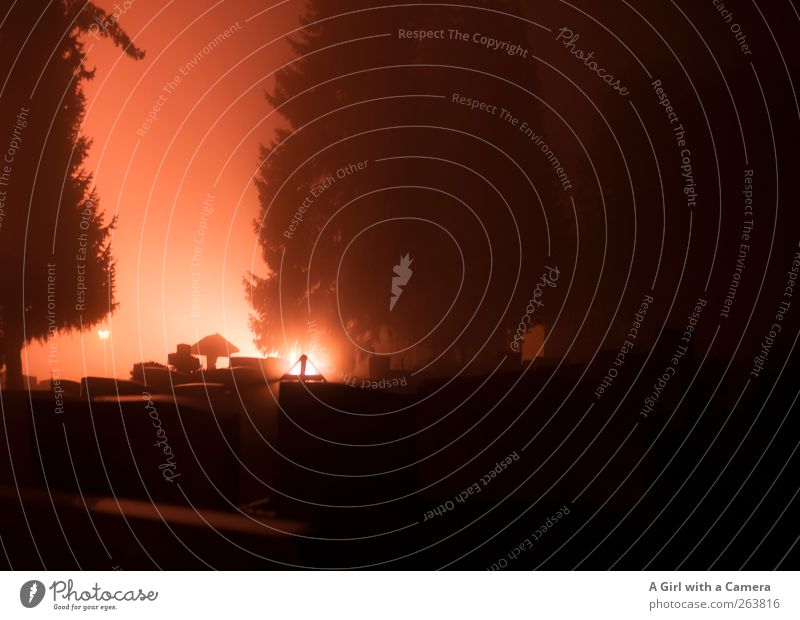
[471, 473]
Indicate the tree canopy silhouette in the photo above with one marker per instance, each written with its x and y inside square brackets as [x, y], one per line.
[378, 159]
[58, 270]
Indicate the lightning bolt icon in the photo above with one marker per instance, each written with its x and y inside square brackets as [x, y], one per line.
[34, 590]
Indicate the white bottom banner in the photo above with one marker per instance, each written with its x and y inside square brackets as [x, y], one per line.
[351, 595]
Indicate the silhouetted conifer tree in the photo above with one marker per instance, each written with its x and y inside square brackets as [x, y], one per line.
[57, 268]
[358, 91]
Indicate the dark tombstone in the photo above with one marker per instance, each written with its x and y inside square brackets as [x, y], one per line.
[241, 361]
[201, 394]
[94, 387]
[65, 386]
[182, 360]
[380, 366]
[148, 447]
[340, 448]
[141, 371]
[162, 380]
[30, 382]
[272, 368]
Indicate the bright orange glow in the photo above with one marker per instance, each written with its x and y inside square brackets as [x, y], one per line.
[304, 368]
[182, 186]
[294, 351]
[323, 361]
[296, 370]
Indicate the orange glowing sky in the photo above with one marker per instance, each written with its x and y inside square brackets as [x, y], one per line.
[203, 141]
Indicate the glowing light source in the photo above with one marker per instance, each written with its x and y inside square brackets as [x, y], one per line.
[104, 334]
[304, 370]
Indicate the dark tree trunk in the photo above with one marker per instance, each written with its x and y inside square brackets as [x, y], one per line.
[13, 353]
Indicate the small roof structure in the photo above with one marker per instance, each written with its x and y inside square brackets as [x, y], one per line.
[212, 347]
